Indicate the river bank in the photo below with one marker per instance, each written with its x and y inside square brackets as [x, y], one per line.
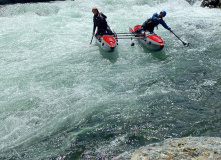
[194, 148]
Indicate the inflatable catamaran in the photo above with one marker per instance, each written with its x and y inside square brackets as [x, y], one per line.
[150, 40]
[107, 42]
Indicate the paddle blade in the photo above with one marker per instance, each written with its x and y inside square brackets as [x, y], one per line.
[186, 44]
[189, 45]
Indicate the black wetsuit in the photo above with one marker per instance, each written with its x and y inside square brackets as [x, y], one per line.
[101, 23]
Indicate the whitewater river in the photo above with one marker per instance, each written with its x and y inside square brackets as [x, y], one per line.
[61, 96]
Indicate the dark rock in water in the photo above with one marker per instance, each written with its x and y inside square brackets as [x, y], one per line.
[3, 2]
[211, 3]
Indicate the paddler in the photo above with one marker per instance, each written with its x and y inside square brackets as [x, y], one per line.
[101, 23]
[149, 24]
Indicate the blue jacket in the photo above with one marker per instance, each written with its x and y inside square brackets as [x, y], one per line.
[155, 22]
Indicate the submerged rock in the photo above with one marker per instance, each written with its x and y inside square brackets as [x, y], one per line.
[211, 3]
[194, 148]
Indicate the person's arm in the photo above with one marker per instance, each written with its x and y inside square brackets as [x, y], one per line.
[164, 24]
[94, 26]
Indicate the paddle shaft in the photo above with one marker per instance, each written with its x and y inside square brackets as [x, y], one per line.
[185, 44]
[92, 39]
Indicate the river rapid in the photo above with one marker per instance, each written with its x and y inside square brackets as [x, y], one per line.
[61, 97]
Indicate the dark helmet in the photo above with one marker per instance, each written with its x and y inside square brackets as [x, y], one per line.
[164, 12]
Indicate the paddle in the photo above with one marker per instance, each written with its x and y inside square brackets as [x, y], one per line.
[184, 43]
[92, 39]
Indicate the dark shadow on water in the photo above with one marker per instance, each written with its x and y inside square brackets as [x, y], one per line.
[111, 56]
[160, 54]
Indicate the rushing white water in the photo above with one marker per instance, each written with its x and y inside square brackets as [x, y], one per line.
[59, 94]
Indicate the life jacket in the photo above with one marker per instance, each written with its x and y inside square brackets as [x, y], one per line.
[148, 25]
